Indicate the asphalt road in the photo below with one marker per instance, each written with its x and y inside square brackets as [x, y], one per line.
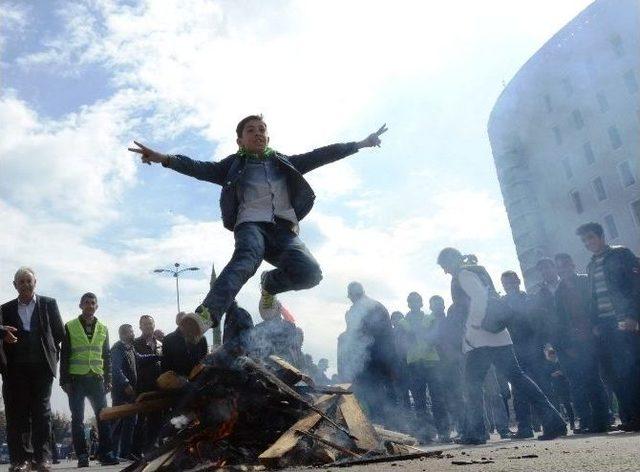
[612, 452]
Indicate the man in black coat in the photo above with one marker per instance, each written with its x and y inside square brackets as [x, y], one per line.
[184, 348]
[614, 280]
[264, 197]
[148, 424]
[31, 333]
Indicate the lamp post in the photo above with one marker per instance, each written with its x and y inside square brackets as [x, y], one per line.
[175, 272]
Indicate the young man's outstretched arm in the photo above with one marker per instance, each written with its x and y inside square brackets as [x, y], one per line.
[214, 172]
[325, 155]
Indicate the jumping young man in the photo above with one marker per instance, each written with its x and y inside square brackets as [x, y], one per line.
[264, 196]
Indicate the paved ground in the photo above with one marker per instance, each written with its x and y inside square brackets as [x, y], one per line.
[612, 452]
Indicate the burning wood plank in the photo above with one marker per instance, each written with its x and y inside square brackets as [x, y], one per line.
[366, 437]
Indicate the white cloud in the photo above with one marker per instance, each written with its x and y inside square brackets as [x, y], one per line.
[76, 167]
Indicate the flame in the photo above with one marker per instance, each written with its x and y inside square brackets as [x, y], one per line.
[199, 443]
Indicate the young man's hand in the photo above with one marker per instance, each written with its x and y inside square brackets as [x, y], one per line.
[148, 155]
[373, 139]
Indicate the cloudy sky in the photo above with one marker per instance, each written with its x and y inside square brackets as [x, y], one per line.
[82, 79]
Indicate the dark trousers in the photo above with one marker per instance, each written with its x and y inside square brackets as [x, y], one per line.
[423, 376]
[580, 364]
[477, 363]
[276, 243]
[451, 381]
[92, 388]
[376, 392]
[146, 432]
[27, 390]
[496, 408]
[619, 355]
[532, 363]
[122, 431]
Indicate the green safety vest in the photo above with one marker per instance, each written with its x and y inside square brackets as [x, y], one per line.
[419, 350]
[86, 356]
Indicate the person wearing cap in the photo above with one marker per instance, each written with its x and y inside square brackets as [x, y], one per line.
[185, 347]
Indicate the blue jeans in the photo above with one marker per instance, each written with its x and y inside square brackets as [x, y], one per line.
[619, 356]
[276, 243]
[122, 437]
[477, 363]
[91, 387]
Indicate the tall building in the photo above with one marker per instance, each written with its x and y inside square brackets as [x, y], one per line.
[565, 137]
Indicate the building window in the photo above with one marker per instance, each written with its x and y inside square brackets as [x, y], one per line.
[626, 174]
[567, 167]
[598, 187]
[635, 210]
[631, 82]
[566, 85]
[602, 102]
[588, 153]
[612, 229]
[577, 119]
[577, 201]
[614, 137]
[547, 103]
[556, 134]
[616, 44]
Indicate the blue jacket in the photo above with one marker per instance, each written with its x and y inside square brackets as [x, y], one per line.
[124, 366]
[228, 172]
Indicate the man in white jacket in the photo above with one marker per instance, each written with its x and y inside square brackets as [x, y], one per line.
[471, 287]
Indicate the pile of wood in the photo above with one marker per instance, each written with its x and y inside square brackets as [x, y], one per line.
[236, 412]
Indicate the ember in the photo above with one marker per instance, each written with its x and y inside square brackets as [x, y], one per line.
[235, 410]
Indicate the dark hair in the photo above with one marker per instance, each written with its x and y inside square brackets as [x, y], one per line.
[123, 327]
[146, 317]
[592, 227]
[88, 295]
[244, 121]
[543, 261]
[563, 256]
[509, 273]
[396, 315]
[414, 295]
[436, 297]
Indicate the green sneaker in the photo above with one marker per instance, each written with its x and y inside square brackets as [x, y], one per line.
[269, 306]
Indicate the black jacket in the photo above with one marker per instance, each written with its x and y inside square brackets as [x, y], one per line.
[148, 372]
[622, 273]
[180, 356]
[51, 330]
[228, 172]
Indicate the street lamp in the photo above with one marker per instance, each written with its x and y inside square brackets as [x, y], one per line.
[176, 271]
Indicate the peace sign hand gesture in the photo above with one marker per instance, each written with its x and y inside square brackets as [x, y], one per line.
[148, 155]
[373, 139]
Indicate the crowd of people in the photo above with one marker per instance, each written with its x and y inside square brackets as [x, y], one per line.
[566, 352]
[34, 340]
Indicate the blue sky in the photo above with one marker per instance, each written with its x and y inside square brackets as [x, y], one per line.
[82, 79]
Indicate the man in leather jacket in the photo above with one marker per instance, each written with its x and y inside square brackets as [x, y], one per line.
[614, 279]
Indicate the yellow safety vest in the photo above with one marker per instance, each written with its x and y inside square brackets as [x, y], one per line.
[418, 349]
[86, 356]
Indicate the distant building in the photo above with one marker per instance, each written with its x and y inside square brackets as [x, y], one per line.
[565, 137]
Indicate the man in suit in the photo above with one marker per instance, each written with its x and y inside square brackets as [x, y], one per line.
[31, 334]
